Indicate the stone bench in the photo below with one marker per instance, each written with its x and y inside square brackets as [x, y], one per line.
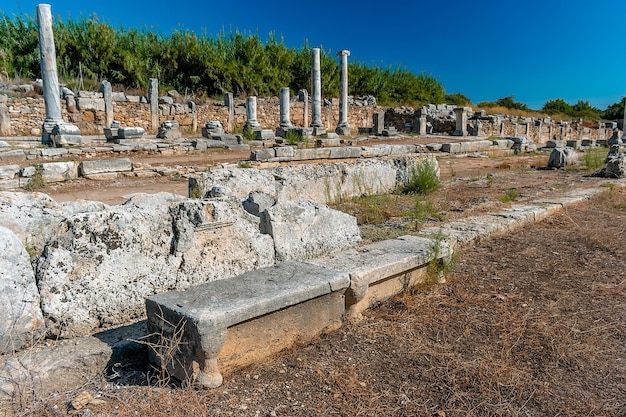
[223, 325]
[383, 269]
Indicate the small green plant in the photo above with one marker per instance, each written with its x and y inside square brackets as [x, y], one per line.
[594, 158]
[424, 209]
[510, 195]
[176, 177]
[244, 164]
[489, 179]
[443, 261]
[248, 134]
[610, 185]
[292, 138]
[37, 181]
[424, 178]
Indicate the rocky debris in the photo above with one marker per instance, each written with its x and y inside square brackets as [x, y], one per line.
[21, 319]
[306, 229]
[561, 157]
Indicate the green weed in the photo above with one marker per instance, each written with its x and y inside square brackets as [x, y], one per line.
[510, 195]
[37, 181]
[594, 157]
[423, 179]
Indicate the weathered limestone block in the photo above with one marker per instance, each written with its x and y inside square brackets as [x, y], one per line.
[345, 152]
[103, 166]
[89, 103]
[8, 172]
[33, 217]
[258, 202]
[217, 239]
[14, 154]
[21, 320]
[52, 152]
[97, 269]
[130, 132]
[383, 269]
[231, 323]
[241, 182]
[306, 229]
[59, 171]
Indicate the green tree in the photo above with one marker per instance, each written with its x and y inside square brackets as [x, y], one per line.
[557, 106]
[614, 111]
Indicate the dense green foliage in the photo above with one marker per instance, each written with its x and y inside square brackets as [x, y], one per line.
[580, 109]
[239, 62]
[507, 102]
[614, 111]
[457, 99]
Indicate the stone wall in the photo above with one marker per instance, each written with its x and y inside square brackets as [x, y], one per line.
[87, 112]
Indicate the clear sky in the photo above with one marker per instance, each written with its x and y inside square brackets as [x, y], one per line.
[486, 49]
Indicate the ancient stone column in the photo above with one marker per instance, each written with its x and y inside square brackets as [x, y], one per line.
[316, 89]
[54, 130]
[343, 128]
[461, 121]
[624, 126]
[228, 102]
[107, 93]
[285, 120]
[48, 64]
[251, 122]
[153, 99]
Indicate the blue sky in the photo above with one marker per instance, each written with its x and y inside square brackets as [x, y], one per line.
[486, 49]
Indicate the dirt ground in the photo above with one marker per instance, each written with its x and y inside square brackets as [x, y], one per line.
[528, 324]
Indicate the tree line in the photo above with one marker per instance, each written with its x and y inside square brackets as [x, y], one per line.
[581, 109]
[238, 62]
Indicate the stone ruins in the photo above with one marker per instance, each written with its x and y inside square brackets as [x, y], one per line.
[252, 259]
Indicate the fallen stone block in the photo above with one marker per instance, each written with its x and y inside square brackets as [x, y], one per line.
[130, 132]
[223, 325]
[306, 229]
[17, 154]
[58, 171]
[104, 166]
[262, 154]
[8, 172]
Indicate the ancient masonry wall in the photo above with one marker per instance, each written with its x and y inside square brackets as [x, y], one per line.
[27, 114]
[86, 110]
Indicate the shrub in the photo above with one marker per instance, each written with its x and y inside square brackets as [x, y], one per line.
[510, 195]
[292, 138]
[424, 178]
[37, 181]
[595, 157]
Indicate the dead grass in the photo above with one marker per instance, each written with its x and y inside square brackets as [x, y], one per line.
[527, 324]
